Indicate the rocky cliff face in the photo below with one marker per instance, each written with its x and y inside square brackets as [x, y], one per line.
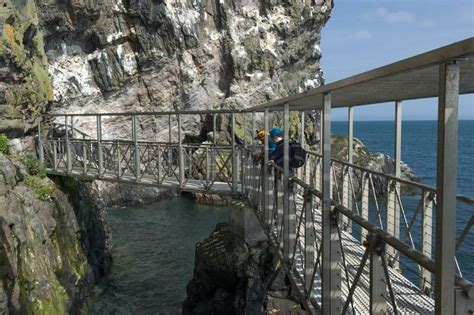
[232, 276]
[143, 55]
[50, 254]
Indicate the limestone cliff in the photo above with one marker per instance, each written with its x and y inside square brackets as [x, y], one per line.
[143, 55]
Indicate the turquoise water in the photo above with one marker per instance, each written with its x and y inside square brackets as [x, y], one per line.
[153, 252]
[419, 152]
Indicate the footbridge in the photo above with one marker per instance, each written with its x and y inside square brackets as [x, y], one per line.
[352, 239]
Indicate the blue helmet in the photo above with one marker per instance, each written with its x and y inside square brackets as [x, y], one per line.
[276, 132]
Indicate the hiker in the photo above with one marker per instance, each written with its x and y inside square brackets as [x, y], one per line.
[260, 135]
[276, 135]
[296, 154]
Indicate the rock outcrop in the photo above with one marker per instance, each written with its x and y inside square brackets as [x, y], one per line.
[233, 277]
[50, 252]
[112, 56]
[378, 162]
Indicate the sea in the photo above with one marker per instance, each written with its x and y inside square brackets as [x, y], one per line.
[153, 246]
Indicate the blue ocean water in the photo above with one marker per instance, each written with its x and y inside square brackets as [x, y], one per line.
[419, 140]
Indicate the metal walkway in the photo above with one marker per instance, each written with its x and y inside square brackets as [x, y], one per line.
[350, 238]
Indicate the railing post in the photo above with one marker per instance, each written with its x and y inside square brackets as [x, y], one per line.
[426, 240]
[84, 156]
[309, 242]
[393, 208]
[214, 141]
[331, 275]
[72, 127]
[234, 155]
[364, 203]
[180, 153]
[446, 187]
[119, 166]
[170, 149]
[378, 287]
[243, 163]
[208, 168]
[266, 170]
[55, 155]
[68, 147]
[99, 145]
[254, 183]
[302, 141]
[347, 173]
[137, 149]
[289, 230]
[40, 142]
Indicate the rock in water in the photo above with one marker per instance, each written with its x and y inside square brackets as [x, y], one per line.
[232, 277]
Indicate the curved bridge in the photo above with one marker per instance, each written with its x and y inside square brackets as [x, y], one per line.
[346, 248]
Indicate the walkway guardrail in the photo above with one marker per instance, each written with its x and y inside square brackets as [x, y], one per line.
[352, 240]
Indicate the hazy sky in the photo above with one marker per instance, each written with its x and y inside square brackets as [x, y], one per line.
[364, 34]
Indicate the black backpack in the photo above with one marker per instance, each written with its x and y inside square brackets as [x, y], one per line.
[297, 155]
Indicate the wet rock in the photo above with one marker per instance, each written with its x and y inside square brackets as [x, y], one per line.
[233, 277]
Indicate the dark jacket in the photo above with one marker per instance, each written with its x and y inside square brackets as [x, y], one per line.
[277, 156]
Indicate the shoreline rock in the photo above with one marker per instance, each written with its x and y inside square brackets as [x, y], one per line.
[233, 277]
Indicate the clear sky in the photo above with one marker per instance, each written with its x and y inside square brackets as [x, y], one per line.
[364, 34]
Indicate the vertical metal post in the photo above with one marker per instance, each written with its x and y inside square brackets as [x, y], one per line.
[180, 153]
[254, 183]
[169, 147]
[446, 187]
[309, 242]
[119, 164]
[40, 142]
[426, 240]
[347, 173]
[68, 147]
[289, 230]
[331, 275]
[55, 155]
[72, 127]
[378, 287]
[234, 155]
[137, 149]
[99, 145]
[302, 141]
[393, 208]
[84, 156]
[364, 203]
[266, 170]
[214, 141]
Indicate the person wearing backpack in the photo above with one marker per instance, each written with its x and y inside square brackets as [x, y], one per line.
[297, 154]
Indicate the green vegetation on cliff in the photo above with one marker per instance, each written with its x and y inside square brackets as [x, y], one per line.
[25, 87]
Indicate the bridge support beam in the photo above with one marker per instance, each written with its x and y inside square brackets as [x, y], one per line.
[347, 173]
[266, 171]
[309, 242]
[100, 155]
[446, 187]
[68, 146]
[378, 287]
[180, 153]
[136, 147]
[331, 276]
[234, 157]
[426, 237]
[289, 214]
[393, 208]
